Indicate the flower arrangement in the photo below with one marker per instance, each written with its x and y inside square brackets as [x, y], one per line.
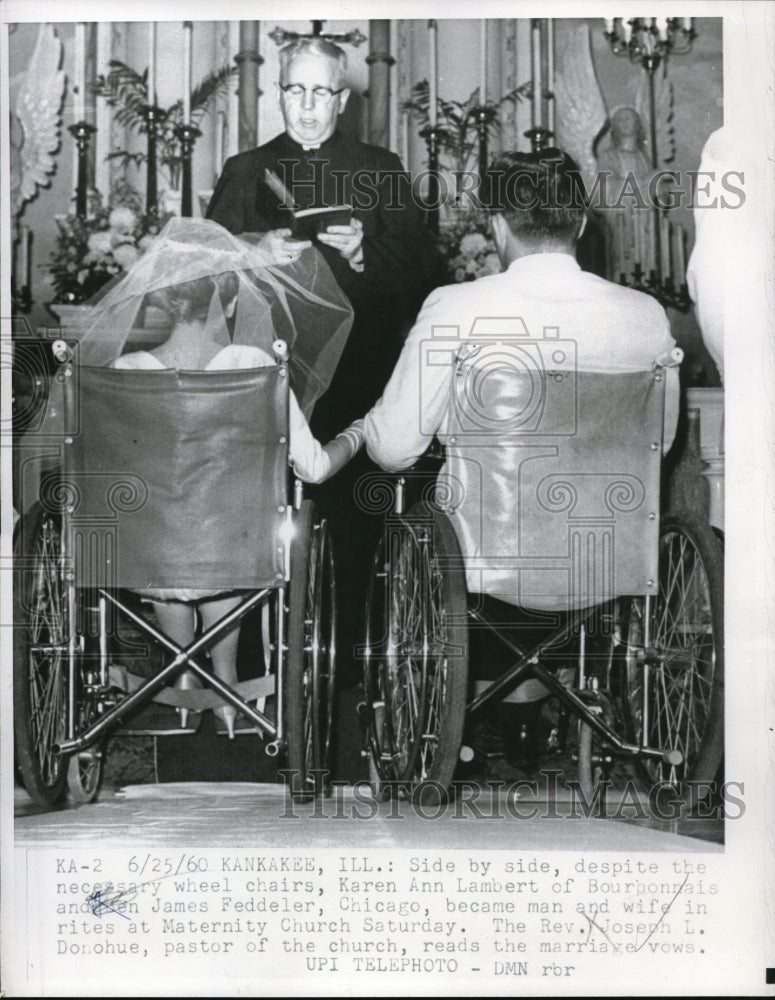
[467, 249]
[89, 252]
[126, 90]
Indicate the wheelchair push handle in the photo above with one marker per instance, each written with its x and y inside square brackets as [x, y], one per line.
[62, 351]
[669, 359]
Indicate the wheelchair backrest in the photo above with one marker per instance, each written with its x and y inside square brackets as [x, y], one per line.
[177, 479]
[553, 478]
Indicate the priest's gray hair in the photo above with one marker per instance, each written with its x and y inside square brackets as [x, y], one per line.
[314, 46]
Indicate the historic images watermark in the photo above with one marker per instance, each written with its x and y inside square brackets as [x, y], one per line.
[544, 796]
[394, 190]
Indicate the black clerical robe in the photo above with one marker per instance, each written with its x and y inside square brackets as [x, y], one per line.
[398, 255]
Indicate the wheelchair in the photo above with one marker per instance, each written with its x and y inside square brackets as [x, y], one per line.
[552, 489]
[169, 479]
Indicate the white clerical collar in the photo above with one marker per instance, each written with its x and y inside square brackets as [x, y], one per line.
[310, 149]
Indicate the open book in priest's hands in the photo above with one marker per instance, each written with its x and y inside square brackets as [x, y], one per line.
[308, 222]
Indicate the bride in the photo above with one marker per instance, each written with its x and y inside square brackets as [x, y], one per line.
[227, 302]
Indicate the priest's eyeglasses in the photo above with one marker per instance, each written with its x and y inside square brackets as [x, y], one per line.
[321, 95]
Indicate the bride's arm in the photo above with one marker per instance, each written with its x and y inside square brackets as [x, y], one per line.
[314, 462]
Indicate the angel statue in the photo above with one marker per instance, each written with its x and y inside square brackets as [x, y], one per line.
[35, 100]
[614, 155]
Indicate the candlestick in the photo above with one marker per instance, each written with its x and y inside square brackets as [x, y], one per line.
[550, 74]
[152, 63]
[79, 76]
[25, 253]
[432, 82]
[187, 134]
[535, 68]
[680, 257]
[483, 63]
[640, 237]
[432, 212]
[151, 194]
[654, 233]
[81, 132]
[665, 247]
[188, 29]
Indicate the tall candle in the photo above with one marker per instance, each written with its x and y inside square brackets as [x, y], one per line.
[609, 25]
[432, 81]
[152, 63]
[79, 76]
[535, 69]
[405, 137]
[188, 29]
[626, 29]
[550, 73]
[483, 63]
[220, 124]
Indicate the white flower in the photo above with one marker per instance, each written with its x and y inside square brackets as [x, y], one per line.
[122, 220]
[125, 254]
[472, 267]
[122, 239]
[472, 244]
[100, 242]
[460, 274]
[145, 241]
[491, 264]
[82, 276]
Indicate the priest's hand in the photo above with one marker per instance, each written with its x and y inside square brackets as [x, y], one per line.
[347, 240]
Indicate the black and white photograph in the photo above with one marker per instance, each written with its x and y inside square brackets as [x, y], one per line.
[387, 493]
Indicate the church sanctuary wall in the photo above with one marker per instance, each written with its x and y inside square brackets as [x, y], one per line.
[696, 78]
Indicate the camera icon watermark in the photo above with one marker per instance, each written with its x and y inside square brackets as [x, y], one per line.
[504, 381]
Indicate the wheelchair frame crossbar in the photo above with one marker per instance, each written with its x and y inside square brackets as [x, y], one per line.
[183, 659]
[529, 665]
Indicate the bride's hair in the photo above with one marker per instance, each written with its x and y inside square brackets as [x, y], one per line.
[189, 301]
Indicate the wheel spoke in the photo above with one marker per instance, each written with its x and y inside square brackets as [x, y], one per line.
[685, 670]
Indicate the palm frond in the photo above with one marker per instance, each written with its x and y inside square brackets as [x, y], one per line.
[213, 84]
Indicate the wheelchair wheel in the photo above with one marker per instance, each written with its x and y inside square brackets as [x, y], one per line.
[311, 669]
[84, 769]
[603, 663]
[595, 760]
[42, 626]
[684, 691]
[416, 666]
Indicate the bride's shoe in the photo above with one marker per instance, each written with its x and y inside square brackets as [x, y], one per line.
[187, 681]
[228, 716]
